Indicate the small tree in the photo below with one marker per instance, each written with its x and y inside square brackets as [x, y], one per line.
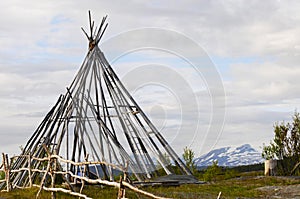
[188, 156]
[212, 172]
[286, 144]
[278, 147]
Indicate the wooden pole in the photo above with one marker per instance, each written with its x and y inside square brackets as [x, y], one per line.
[121, 193]
[84, 171]
[7, 171]
[46, 173]
[53, 176]
[4, 166]
[29, 169]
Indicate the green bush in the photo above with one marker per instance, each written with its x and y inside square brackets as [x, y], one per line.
[212, 172]
[2, 175]
[230, 173]
[285, 146]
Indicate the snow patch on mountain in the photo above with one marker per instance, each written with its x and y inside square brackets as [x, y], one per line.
[231, 156]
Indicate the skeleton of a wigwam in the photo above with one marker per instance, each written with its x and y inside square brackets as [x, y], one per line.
[96, 130]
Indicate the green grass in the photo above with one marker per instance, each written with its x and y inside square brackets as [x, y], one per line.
[244, 187]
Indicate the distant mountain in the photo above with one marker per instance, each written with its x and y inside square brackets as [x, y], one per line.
[230, 156]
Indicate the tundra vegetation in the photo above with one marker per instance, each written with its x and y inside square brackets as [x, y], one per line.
[285, 147]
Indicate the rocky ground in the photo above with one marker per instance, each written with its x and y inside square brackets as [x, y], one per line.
[283, 191]
[286, 192]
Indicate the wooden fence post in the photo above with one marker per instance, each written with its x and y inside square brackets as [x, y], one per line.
[53, 175]
[7, 171]
[29, 170]
[121, 193]
[84, 171]
[46, 173]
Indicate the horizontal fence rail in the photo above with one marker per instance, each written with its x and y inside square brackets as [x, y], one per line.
[52, 169]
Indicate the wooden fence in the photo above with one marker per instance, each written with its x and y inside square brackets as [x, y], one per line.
[53, 169]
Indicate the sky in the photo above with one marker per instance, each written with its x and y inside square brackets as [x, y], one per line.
[209, 74]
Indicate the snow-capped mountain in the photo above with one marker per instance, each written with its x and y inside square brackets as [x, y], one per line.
[230, 156]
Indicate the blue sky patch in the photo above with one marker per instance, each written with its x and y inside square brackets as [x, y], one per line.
[59, 19]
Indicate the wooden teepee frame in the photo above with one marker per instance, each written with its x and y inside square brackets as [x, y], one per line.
[97, 117]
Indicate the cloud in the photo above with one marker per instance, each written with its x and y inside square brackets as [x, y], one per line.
[267, 81]
[255, 46]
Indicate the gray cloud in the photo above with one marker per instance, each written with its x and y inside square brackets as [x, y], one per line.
[42, 47]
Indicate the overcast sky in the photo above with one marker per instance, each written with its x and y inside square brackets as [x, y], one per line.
[251, 82]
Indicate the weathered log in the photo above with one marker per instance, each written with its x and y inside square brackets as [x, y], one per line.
[65, 191]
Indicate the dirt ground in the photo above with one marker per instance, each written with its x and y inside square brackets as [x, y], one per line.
[286, 192]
